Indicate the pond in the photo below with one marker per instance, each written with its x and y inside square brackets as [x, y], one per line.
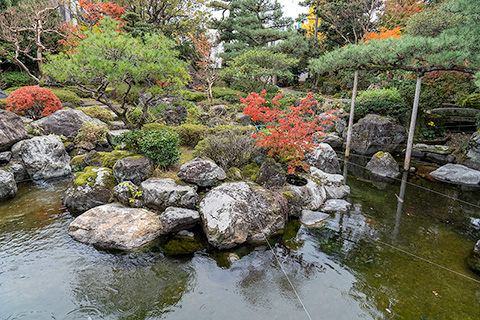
[373, 262]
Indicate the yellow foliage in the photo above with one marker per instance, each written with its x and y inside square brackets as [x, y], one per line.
[383, 34]
[310, 26]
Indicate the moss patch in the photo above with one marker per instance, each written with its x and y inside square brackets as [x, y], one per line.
[89, 176]
[251, 171]
[177, 246]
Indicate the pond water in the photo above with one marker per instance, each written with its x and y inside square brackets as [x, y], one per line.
[374, 262]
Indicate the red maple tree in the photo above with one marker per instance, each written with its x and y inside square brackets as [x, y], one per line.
[289, 133]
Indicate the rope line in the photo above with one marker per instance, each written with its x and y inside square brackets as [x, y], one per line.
[426, 260]
[283, 269]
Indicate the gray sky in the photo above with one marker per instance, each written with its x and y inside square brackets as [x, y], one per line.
[292, 9]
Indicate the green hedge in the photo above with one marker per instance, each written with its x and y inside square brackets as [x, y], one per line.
[193, 96]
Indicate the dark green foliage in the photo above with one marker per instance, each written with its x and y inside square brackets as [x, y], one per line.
[98, 113]
[15, 79]
[160, 145]
[438, 87]
[472, 101]
[249, 24]
[119, 92]
[380, 106]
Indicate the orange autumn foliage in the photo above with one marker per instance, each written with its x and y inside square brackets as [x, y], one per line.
[383, 34]
[33, 102]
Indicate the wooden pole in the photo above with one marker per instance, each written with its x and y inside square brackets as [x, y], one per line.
[413, 120]
[350, 120]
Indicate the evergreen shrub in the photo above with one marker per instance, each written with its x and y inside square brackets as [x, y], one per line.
[160, 145]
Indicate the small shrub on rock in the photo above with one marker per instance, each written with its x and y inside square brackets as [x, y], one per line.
[90, 132]
[226, 150]
[33, 102]
[190, 134]
[160, 145]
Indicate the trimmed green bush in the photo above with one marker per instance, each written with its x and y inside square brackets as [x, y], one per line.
[160, 145]
[391, 94]
[190, 134]
[193, 96]
[227, 149]
[229, 129]
[65, 95]
[380, 106]
[98, 113]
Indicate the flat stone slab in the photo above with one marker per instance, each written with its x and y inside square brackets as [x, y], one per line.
[313, 218]
[114, 226]
[440, 149]
[457, 174]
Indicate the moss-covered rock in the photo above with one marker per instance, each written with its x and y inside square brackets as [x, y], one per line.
[90, 188]
[99, 159]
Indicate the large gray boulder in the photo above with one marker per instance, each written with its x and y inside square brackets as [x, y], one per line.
[334, 184]
[90, 188]
[177, 219]
[332, 139]
[311, 218]
[113, 226]
[3, 95]
[376, 133]
[201, 172]
[8, 186]
[129, 194]
[384, 165]
[336, 205]
[304, 197]
[457, 174]
[160, 194]
[236, 212]
[324, 158]
[135, 169]
[44, 157]
[65, 122]
[11, 129]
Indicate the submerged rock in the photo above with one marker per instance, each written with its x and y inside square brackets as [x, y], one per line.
[90, 188]
[44, 157]
[201, 172]
[236, 212]
[113, 226]
[8, 186]
[457, 174]
[435, 153]
[160, 194]
[384, 165]
[182, 246]
[473, 259]
[11, 129]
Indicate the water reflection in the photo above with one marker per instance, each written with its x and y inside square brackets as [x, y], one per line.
[400, 199]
